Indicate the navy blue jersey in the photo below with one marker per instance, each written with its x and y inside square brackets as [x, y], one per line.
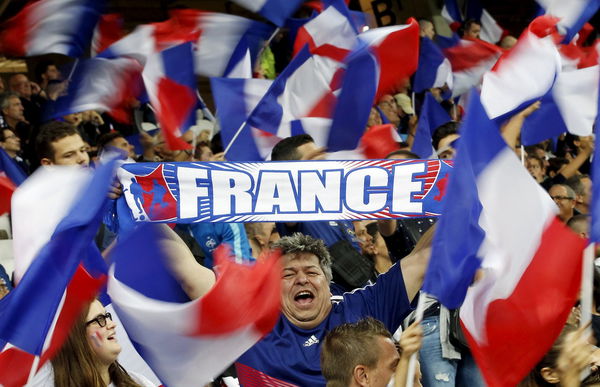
[290, 355]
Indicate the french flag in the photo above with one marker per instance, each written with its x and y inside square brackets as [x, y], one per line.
[595, 203]
[434, 68]
[572, 14]
[108, 30]
[188, 343]
[277, 11]
[569, 106]
[11, 176]
[220, 40]
[100, 84]
[253, 144]
[470, 60]
[522, 75]
[35, 318]
[51, 27]
[491, 31]
[431, 117]
[451, 12]
[383, 59]
[171, 86]
[497, 218]
[332, 33]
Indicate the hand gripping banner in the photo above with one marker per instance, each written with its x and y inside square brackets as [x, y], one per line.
[287, 191]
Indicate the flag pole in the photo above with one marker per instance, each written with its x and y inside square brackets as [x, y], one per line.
[73, 69]
[586, 294]
[235, 136]
[412, 363]
[205, 110]
[522, 155]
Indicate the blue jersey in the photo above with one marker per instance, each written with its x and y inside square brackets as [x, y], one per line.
[210, 235]
[290, 355]
[329, 232]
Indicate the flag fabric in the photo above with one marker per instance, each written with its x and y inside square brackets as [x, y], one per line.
[276, 11]
[247, 146]
[51, 27]
[37, 315]
[332, 32]
[213, 331]
[383, 59]
[522, 75]
[106, 85]
[570, 106]
[108, 30]
[11, 176]
[171, 86]
[491, 31]
[451, 12]
[434, 68]
[470, 60]
[220, 40]
[431, 117]
[573, 14]
[531, 262]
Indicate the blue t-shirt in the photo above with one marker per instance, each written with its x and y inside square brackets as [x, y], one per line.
[210, 235]
[329, 232]
[291, 356]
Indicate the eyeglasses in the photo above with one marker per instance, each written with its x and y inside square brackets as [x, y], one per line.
[561, 198]
[100, 320]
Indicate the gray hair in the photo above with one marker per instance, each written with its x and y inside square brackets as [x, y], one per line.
[299, 243]
[5, 98]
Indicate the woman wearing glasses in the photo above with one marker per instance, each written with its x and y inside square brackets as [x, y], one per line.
[89, 356]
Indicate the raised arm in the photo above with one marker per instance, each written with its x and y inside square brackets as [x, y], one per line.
[195, 279]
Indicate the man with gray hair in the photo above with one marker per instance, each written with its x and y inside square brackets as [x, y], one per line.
[564, 197]
[290, 354]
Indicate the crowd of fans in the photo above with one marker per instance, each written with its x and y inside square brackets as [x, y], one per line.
[329, 331]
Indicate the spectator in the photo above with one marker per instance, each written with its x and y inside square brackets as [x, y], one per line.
[359, 354]
[472, 29]
[443, 140]
[582, 186]
[564, 197]
[59, 143]
[261, 236]
[31, 97]
[89, 356]
[46, 71]
[426, 29]
[11, 144]
[580, 224]
[290, 353]
[115, 140]
[388, 106]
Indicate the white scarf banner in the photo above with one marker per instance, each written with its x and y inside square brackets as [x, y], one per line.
[287, 191]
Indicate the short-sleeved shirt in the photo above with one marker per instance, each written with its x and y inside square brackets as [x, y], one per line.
[291, 356]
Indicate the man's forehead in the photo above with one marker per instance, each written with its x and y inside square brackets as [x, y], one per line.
[300, 259]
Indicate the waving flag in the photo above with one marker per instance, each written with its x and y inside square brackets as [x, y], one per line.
[521, 75]
[171, 85]
[573, 14]
[434, 68]
[51, 26]
[451, 12]
[432, 116]
[570, 106]
[35, 318]
[108, 30]
[491, 32]
[531, 261]
[100, 84]
[248, 145]
[595, 203]
[470, 60]
[212, 331]
[276, 11]
[383, 59]
[220, 40]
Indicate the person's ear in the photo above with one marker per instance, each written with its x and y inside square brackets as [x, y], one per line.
[46, 161]
[360, 375]
[550, 375]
